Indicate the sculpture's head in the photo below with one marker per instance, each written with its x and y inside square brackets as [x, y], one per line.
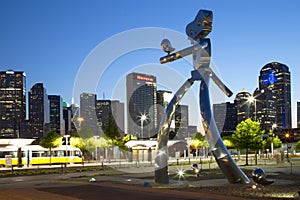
[201, 26]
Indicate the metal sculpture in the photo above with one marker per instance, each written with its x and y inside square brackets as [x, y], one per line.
[197, 30]
[259, 177]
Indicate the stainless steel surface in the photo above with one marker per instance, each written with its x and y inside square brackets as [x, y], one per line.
[201, 51]
[161, 160]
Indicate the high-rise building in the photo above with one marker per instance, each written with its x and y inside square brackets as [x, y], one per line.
[163, 99]
[243, 105]
[275, 85]
[67, 115]
[181, 121]
[225, 115]
[75, 118]
[264, 108]
[57, 123]
[110, 108]
[179, 127]
[12, 103]
[88, 113]
[141, 105]
[39, 116]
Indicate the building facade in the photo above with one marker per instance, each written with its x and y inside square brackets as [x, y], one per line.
[110, 108]
[182, 121]
[88, 113]
[39, 115]
[275, 95]
[57, 123]
[225, 115]
[141, 105]
[243, 106]
[12, 103]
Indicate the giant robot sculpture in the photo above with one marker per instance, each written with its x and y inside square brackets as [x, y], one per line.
[197, 31]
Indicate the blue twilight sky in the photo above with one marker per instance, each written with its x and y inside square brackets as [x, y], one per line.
[51, 39]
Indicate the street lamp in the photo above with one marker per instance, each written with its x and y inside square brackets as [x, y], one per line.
[286, 140]
[96, 137]
[251, 99]
[143, 118]
[274, 126]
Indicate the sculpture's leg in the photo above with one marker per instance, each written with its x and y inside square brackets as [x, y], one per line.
[229, 168]
[161, 160]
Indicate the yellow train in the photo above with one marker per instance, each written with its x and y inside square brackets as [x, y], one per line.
[37, 155]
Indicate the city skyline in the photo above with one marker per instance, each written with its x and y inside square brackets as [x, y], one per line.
[50, 40]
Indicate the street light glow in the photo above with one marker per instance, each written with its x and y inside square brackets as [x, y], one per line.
[143, 117]
[251, 99]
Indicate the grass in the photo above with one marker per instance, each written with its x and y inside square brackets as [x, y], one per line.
[41, 171]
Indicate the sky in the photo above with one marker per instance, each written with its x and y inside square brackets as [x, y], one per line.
[56, 42]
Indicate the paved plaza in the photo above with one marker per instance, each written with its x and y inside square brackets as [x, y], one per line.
[132, 182]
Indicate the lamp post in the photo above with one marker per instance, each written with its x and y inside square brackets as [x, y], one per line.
[286, 141]
[143, 118]
[96, 137]
[272, 142]
[251, 99]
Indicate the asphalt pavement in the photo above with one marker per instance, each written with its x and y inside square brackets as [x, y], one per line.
[122, 182]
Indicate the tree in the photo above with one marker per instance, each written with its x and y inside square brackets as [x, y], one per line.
[199, 141]
[111, 130]
[298, 145]
[50, 141]
[247, 136]
[79, 143]
[277, 143]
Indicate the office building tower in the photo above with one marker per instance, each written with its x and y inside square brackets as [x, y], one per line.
[106, 109]
[163, 99]
[88, 115]
[181, 121]
[243, 105]
[67, 115]
[225, 115]
[275, 85]
[141, 105]
[12, 103]
[39, 116]
[264, 108]
[57, 123]
[75, 118]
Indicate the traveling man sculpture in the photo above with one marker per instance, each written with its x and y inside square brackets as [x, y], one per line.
[197, 31]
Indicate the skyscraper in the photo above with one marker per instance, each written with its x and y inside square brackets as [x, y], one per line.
[57, 123]
[275, 85]
[67, 115]
[243, 105]
[225, 115]
[141, 105]
[181, 121]
[12, 103]
[110, 108]
[163, 99]
[39, 116]
[88, 112]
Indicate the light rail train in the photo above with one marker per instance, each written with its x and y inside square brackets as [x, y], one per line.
[37, 155]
